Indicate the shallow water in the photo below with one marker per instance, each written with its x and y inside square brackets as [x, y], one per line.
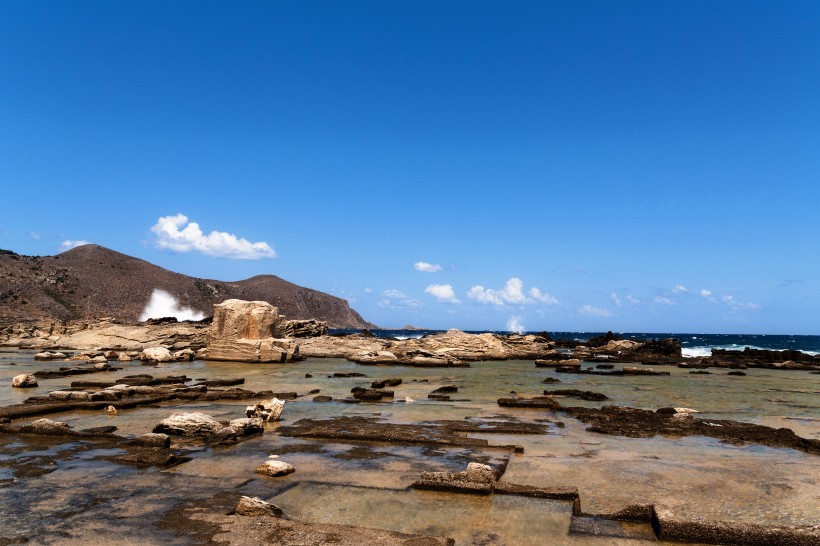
[366, 484]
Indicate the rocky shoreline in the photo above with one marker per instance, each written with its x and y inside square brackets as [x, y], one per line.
[104, 356]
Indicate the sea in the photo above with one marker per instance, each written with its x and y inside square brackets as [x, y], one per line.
[692, 345]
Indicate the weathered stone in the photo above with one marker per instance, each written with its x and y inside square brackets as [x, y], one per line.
[374, 357]
[183, 355]
[247, 425]
[70, 395]
[24, 381]
[157, 354]
[534, 402]
[557, 363]
[46, 427]
[577, 393]
[273, 467]
[256, 507]
[151, 439]
[266, 410]
[189, 424]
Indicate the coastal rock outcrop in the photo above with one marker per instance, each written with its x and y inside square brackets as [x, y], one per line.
[245, 331]
[266, 410]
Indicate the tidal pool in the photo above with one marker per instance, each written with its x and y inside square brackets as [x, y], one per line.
[74, 497]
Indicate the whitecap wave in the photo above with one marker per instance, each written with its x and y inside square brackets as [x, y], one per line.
[696, 352]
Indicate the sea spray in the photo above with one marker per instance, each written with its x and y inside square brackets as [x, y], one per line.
[162, 304]
[515, 325]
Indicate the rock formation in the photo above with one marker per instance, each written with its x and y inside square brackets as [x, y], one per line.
[248, 331]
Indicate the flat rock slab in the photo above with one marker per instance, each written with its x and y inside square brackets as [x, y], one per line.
[450, 433]
[609, 528]
[640, 423]
[669, 527]
[544, 402]
[244, 530]
[576, 393]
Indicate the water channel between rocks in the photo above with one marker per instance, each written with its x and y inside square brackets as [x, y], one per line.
[366, 483]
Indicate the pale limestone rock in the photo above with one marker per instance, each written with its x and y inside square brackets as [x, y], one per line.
[374, 357]
[255, 507]
[189, 424]
[78, 396]
[46, 426]
[275, 468]
[99, 360]
[247, 425]
[266, 410]
[159, 354]
[239, 319]
[111, 410]
[24, 381]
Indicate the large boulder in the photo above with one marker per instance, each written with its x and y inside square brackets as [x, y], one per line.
[239, 319]
[374, 357]
[156, 354]
[189, 424]
[248, 331]
[24, 381]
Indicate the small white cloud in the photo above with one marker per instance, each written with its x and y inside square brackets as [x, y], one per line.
[616, 300]
[732, 303]
[68, 245]
[661, 300]
[705, 293]
[427, 268]
[368, 290]
[633, 300]
[396, 298]
[512, 293]
[484, 295]
[162, 304]
[171, 234]
[680, 289]
[592, 311]
[543, 297]
[442, 292]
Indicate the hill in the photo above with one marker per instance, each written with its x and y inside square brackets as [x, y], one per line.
[92, 281]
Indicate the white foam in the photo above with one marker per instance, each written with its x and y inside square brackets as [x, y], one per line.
[696, 352]
[163, 304]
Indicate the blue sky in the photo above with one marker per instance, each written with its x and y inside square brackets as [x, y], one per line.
[634, 166]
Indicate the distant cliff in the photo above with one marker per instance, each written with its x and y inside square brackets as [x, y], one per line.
[92, 281]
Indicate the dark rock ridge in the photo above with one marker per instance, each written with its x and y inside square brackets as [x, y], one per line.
[91, 281]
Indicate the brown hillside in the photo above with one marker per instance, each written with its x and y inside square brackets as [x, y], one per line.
[92, 281]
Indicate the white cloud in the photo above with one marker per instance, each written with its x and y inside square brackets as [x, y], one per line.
[543, 297]
[484, 295]
[427, 268]
[616, 300]
[67, 245]
[162, 304]
[663, 301]
[680, 289]
[396, 298]
[368, 290]
[729, 301]
[217, 243]
[594, 311]
[512, 293]
[442, 292]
